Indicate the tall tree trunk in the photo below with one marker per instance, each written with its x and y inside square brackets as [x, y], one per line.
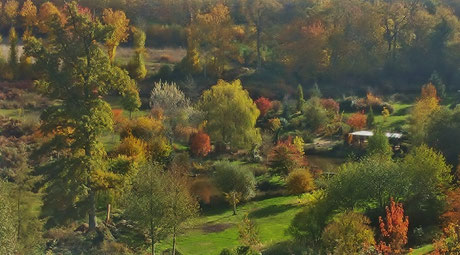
[174, 242]
[92, 210]
[107, 218]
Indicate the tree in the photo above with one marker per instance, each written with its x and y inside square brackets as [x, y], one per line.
[10, 9]
[286, 157]
[147, 203]
[264, 105]
[47, 15]
[131, 101]
[348, 233]
[393, 229]
[449, 242]
[379, 144]
[436, 80]
[314, 116]
[13, 58]
[119, 23]
[299, 182]
[137, 64]
[213, 35]
[8, 237]
[235, 181]
[370, 118]
[182, 205]
[231, 115]
[444, 132]
[421, 114]
[77, 73]
[28, 14]
[301, 100]
[248, 232]
[257, 13]
[357, 121]
[200, 144]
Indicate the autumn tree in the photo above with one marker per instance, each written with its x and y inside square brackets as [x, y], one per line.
[235, 181]
[286, 157]
[213, 36]
[300, 181]
[422, 111]
[264, 105]
[348, 233]
[77, 73]
[48, 14]
[393, 229]
[120, 25]
[28, 14]
[231, 115]
[357, 121]
[200, 144]
[11, 11]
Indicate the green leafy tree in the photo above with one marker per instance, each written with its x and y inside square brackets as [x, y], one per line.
[379, 144]
[147, 203]
[348, 233]
[236, 181]
[131, 101]
[77, 73]
[231, 115]
[8, 238]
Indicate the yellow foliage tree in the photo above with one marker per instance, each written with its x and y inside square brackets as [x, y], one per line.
[120, 24]
[423, 109]
[28, 14]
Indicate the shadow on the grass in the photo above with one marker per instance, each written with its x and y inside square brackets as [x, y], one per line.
[270, 210]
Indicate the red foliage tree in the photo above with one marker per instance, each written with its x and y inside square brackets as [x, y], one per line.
[357, 120]
[330, 105]
[200, 144]
[393, 229]
[452, 215]
[264, 104]
[286, 157]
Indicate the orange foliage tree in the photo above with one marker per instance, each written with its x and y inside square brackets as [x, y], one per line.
[357, 120]
[200, 144]
[452, 215]
[286, 157]
[393, 229]
[264, 104]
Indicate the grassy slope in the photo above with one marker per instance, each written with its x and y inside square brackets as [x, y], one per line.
[272, 216]
[422, 250]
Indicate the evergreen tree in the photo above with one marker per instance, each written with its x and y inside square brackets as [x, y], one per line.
[301, 100]
[13, 58]
[138, 62]
[436, 80]
[370, 118]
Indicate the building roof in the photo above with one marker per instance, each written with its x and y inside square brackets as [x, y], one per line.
[366, 133]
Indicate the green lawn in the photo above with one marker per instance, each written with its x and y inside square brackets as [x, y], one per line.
[422, 250]
[212, 232]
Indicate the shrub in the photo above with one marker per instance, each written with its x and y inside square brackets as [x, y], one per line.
[357, 121]
[348, 233]
[132, 147]
[143, 128]
[200, 144]
[264, 105]
[203, 190]
[299, 182]
[330, 105]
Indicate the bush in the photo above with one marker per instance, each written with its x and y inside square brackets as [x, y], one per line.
[200, 144]
[264, 105]
[348, 233]
[357, 121]
[300, 181]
